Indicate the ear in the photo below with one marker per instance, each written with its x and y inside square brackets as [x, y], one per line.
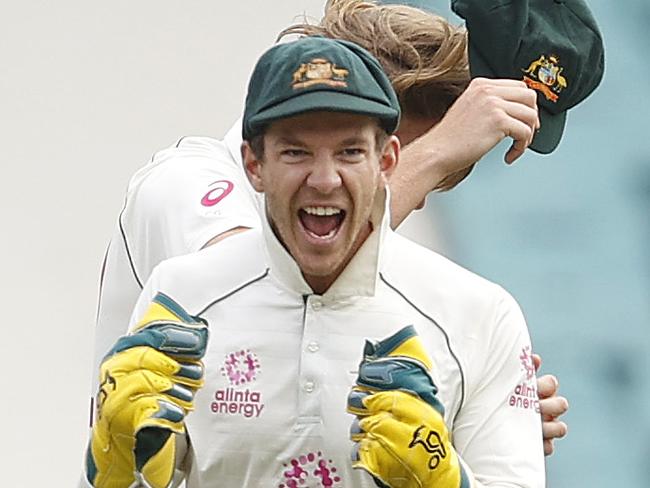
[252, 166]
[390, 156]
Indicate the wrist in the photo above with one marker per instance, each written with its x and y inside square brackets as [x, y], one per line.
[428, 160]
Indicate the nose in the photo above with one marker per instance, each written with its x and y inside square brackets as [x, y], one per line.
[324, 176]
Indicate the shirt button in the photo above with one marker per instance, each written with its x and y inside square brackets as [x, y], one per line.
[313, 347]
[317, 305]
[309, 386]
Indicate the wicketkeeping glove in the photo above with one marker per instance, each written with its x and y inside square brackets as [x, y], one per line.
[400, 434]
[147, 386]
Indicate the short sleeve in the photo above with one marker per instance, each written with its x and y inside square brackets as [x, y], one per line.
[187, 195]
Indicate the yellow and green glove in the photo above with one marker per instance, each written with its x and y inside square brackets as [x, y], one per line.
[147, 386]
[399, 433]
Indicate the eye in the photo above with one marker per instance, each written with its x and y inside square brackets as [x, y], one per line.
[293, 153]
[353, 153]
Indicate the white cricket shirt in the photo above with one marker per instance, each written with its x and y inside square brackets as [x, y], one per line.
[188, 194]
[281, 360]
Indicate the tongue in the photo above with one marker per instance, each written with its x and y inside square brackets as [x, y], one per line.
[321, 225]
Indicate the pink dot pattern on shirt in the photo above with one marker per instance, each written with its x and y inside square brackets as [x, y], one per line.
[241, 367]
[304, 470]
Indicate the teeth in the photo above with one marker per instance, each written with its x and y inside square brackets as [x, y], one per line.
[322, 210]
[329, 234]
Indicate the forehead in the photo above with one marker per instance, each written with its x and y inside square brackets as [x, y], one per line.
[323, 127]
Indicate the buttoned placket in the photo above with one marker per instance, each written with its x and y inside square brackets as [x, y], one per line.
[311, 362]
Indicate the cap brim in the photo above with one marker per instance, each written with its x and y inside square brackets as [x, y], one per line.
[327, 101]
[550, 133]
[551, 129]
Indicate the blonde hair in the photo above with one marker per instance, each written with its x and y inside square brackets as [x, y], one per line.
[424, 56]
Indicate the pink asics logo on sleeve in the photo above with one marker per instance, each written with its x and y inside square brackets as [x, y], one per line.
[219, 190]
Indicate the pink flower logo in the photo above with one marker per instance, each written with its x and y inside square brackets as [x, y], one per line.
[241, 367]
[309, 469]
[526, 358]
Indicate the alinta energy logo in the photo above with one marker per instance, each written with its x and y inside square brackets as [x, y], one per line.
[310, 470]
[524, 395]
[219, 190]
[241, 368]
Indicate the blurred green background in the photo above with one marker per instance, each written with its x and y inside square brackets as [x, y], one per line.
[569, 236]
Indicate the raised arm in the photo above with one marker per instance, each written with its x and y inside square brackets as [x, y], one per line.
[485, 114]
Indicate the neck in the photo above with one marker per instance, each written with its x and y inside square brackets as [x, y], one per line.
[320, 284]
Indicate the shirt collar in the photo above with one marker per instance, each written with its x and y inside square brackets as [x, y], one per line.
[359, 278]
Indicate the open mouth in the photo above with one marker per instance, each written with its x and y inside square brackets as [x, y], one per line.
[321, 223]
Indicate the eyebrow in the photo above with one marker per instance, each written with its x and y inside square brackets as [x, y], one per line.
[353, 140]
[289, 141]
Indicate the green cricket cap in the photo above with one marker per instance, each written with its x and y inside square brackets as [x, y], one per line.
[555, 46]
[318, 74]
